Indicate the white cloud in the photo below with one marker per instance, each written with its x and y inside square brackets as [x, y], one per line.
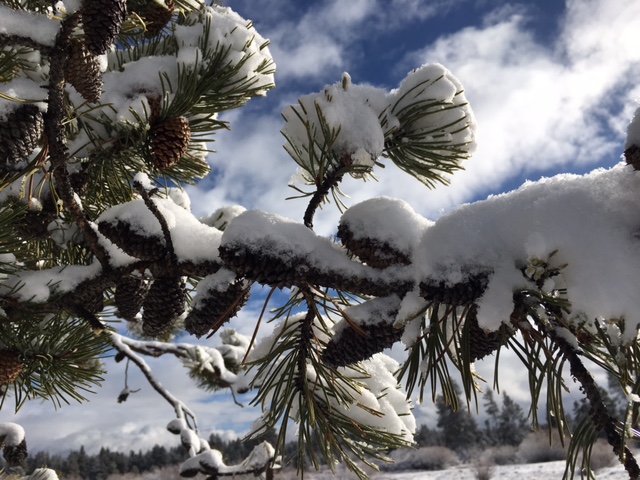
[542, 107]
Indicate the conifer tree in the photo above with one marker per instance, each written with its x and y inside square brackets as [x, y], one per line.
[99, 252]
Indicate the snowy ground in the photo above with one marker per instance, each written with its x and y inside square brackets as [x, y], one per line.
[533, 471]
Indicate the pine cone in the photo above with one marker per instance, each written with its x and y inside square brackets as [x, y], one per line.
[258, 266]
[101, 20]
[83, 72]
[351, 346]
[14, 455]
[131, 242]
[11, 366]
[481, 343]
[459, 294]
[20, 132]
[156, 15]
[371, 251]
[216, 309]
[169, 141]
[163, 305]
[129, 296]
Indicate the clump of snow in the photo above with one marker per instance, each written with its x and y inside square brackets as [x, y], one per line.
[633, 131]
[450, 120]
[245, 49]
[387, 220]
[192, 240]
[348, 112]
[11, 434]
[222, 216]
[591, 220]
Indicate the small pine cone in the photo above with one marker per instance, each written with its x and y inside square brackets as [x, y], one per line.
[83, 72]
[35, 225]
[216, 309]
[11, 366]
[459, 294]
[102, 20]
[169, 141]
[351, 346]
[372, 252]
[164, 304]
[481, 343]
[131, 242]
[129, 296]
[156, 16]
[20, 132]
[14, 455]
[258, 266]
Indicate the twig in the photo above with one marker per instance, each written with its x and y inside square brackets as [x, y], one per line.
[182, 411]
[153, 208]
[330, 181]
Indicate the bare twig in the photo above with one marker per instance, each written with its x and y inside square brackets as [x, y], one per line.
[182, 411]
[153, 208]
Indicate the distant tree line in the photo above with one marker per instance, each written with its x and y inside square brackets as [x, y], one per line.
[80, 464]
[504, 424]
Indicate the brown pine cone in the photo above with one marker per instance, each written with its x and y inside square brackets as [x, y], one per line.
[11, 366]
[351, 346]
[14, 455]
[481, 343]
[459, 294]
[20, 133]
[83, 72]
[102, 20]
[164, 304]
[215, 307]
[133, 243]
[373, 252]
[129, 296]
[169, 141]
[156, 15]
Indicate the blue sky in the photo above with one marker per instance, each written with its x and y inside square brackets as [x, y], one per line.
[553, 85]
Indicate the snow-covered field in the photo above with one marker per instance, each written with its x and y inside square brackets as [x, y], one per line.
[532, 471]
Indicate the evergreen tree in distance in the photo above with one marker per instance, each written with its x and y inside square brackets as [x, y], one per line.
[107, 109]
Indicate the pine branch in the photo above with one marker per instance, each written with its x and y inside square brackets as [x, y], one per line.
[18, 40]
[55, 136]
[599, 412]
